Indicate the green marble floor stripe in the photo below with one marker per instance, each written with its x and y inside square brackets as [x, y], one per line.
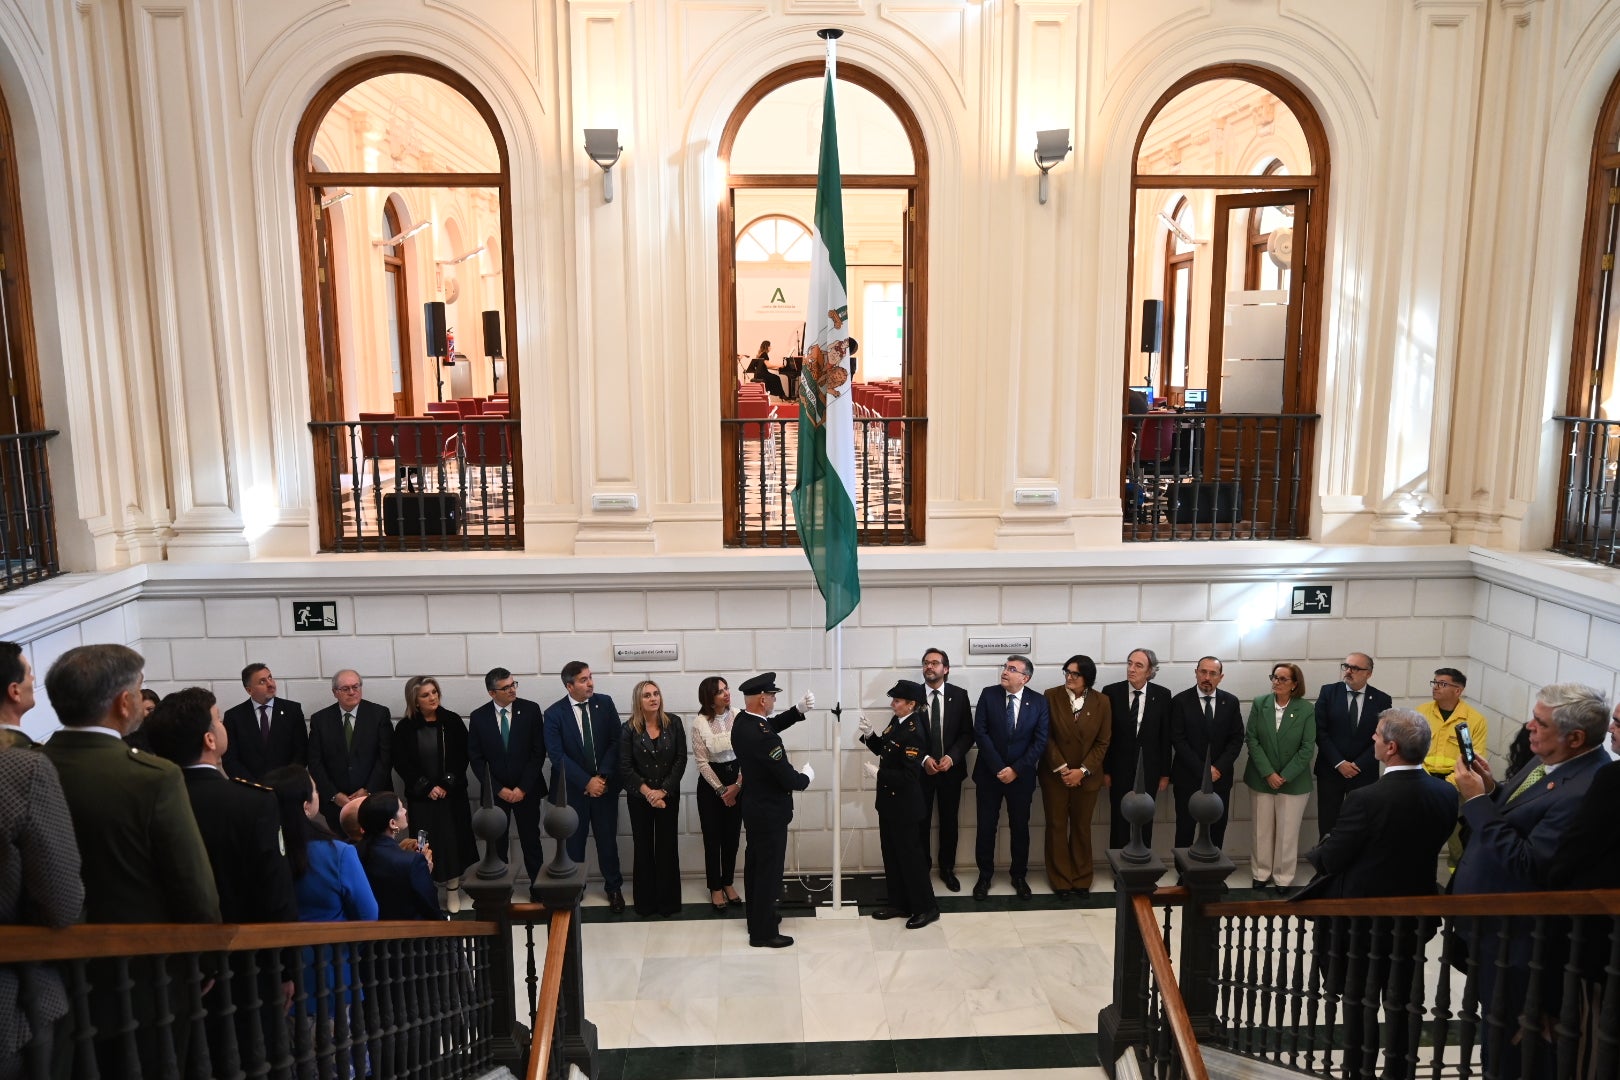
[981, 1053]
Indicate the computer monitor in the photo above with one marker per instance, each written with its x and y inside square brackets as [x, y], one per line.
[1196, 400]
[1145, 391]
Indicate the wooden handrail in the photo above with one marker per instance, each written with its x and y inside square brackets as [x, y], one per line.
[545, 1012]
[1192, 1061]
[1602, 902]
[33, 944]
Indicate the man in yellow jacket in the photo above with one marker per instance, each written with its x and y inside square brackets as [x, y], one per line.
[1445, 714]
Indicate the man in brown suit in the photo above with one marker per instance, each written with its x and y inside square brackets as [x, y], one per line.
[1072, 776]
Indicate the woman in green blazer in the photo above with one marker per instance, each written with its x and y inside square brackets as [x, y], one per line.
[1281, 738]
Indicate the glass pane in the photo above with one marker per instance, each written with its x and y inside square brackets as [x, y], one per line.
[1254, 345]
[1216, 128]
[1181, 323]
[404, 123]
[391, 312]
[782, 134]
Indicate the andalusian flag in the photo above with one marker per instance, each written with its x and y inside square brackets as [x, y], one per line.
[824, 497]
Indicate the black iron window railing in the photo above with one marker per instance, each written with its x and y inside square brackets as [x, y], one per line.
[1217, 476]
[1589, 504]
[416, 485]
[766, 468]
[28, 549]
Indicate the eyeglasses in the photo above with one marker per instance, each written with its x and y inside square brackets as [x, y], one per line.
[508, 688]
[1438, 684]
[1016, 669]
[1352, 667]
[1067, 674]
[347, 688]
[1282, 678]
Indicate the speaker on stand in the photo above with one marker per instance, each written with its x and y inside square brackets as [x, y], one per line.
[492, 347]
[438, 346]
[1152, 335]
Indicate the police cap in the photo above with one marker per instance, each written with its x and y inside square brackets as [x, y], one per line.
[760, 684]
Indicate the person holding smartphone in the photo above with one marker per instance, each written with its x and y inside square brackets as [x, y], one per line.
[1448, 715]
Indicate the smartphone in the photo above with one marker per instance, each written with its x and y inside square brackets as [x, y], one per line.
[421, 835]
[1465, 743]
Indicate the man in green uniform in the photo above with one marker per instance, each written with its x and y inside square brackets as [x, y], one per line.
[768, 783]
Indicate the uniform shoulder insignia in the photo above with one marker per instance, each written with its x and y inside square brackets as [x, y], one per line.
[912, 751]
[776, 753]
[252, 784]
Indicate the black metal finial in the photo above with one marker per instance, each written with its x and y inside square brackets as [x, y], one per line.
[1205, 807]
[829, 34]
[1138, 810]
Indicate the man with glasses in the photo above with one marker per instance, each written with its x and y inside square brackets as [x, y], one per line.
[1141, 713]
[947, 717]
[1445, 714]
[1204, 720]
[266, 731]
[506, 744]
[351, 747]
[1347, 714]
[1010, 727]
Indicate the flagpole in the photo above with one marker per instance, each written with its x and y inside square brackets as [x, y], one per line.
[838, 754]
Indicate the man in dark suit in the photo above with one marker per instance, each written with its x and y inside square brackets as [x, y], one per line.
[506, 743]
[351, 747]
[582, 738]
[1009, 727]
[1141, 710]
[767, 802]
[1387, 843]
[947, 719]
[1347, 714]
[141, 853]
[266, 732]
[1204, 719]
[16, 695]
[1517, 825]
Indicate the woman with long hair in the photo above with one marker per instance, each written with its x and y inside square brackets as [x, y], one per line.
[719, 785]
[402, 880]
[1282, 740]
[430, 755]
[652, 758]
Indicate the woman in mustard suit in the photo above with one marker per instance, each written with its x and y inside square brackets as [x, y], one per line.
[1282, 739]
[1071, 775]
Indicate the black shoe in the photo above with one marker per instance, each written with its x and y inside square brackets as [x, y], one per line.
[888, 913]
[616, 902]
[1062, 895]
[981, 889]
[1257, 884]
[780, 941]
[917, 922]
[950, 881]
[1079, 894]
[1021, 887]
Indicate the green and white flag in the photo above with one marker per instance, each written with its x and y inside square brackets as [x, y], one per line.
[824, 496]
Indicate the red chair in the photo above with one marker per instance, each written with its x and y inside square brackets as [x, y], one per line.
[444, 408]
[494, 408]
[754, 409]
[420, 445]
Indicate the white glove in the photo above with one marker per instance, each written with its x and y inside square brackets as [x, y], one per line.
[809, 773]
[807, 702]
[872, 769]
[864, 728]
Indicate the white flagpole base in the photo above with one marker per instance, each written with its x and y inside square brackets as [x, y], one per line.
[847, 910]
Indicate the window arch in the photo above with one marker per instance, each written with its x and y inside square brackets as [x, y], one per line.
[1249, 337]
[767, 151]
[406, 159]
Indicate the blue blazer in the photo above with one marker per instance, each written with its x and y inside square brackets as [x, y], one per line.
[400, 880]
[1513, 843]
[564, 747]
[998, 747]
[520, 763]
[1334, 740]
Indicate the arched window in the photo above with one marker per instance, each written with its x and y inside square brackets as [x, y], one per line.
[398, 160]
[769, 153]
[1246, 337]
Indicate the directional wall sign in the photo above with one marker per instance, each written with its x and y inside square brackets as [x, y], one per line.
[997, 646]
[1312, 600]
[311, 615]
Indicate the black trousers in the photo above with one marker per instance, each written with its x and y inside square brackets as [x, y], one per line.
[762, 875]
[1186, 827]
[527, 813]
[656, 867]
[989, 796]
[947, 790]
[722, 829]
[1119, 830]
[905, 865]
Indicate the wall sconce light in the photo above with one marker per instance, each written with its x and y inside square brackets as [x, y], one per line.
[602, 146]
[1051, 147]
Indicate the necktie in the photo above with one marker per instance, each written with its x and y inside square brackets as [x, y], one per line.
[506, 730]
[586, 736]
[1209, 710]
[1012, 716]
[936, 738]
[1537, 775]
[1355, 710]
[1136, 710]
[264, 723]
[348, 730]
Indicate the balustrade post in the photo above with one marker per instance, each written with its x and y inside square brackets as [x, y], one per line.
[1204, 869]
[1137, 870]
[491, 892]
[561, 887]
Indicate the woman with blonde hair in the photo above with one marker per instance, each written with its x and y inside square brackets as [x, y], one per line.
[430, 755]
[652, 757]
[1282, 740]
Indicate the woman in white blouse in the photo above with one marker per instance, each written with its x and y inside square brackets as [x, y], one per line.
[719, 781]
[1282, 741]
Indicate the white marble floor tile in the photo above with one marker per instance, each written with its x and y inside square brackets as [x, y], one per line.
[611, 978]
[673, 976]
[1074, 965]
[676, 1021]
[989, 969]
[1076, 1007]
[846, 972]
[1021, 1010]
[831, 935]
[935, 1014]
[981, 930]
[917, 971]
[1059, 927]
[615, 1022]
[610, 939]
[892, 935]
[844, 1017]
[759, 972]
[760, 1019]
[682, 938]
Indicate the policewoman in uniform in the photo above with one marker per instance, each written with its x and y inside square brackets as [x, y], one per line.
[767, 802]
[900, 748]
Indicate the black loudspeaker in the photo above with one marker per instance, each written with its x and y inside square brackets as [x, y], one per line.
[492, 333]
[1152, 325]
[421, 513]
[433, 328]
[1205, 502]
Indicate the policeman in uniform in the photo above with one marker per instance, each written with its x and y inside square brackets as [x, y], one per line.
[769, 781]
[900, 748]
